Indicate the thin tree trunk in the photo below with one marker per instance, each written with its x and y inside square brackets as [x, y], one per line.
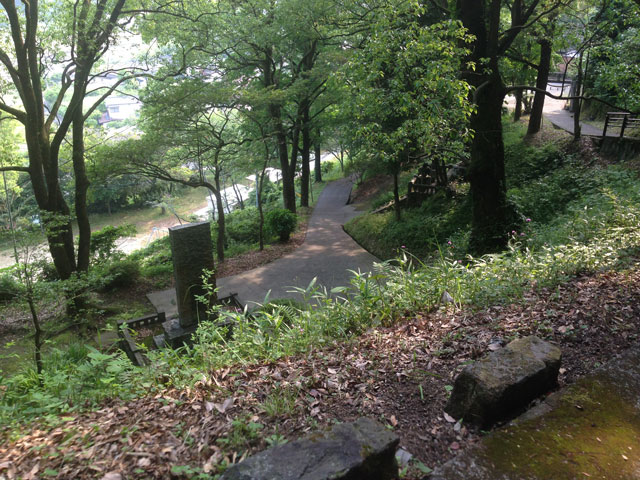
[288, 169]
[517, 112]
[260, 209]
[578, 105]
[306, 157]
[37, 338]
[535, 120]
[275, 113]
[82, 185]
[11, 225]
[318, 166]
[236, 190]
[220, 208]
[396, 197]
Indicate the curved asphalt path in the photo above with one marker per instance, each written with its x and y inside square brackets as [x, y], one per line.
[554, 112]
[327, 253]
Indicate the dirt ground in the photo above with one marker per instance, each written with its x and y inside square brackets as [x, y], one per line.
[400, 376]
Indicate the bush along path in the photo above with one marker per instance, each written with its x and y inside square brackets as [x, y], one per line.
[401, 376]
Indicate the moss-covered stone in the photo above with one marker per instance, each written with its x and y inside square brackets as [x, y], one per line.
[590, 430]
[504, 381]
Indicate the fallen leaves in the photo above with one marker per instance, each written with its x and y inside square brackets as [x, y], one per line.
[402, 374]
[226, 405]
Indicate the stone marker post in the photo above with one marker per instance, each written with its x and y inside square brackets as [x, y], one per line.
[192, 254]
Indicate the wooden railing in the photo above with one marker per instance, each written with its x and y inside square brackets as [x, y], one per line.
[622, 120]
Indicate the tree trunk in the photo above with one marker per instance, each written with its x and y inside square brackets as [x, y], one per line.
[290, 198]
[260, 208]
[486, 172]
[220, 208]
[37, 338]
[318, 166]
[306, 157]
[517, 112]
[275, 113]
[82, 185]
[578, 105]
[396, 197]
[490, 212]
[535, 120]
[236, 190]
[12, 227]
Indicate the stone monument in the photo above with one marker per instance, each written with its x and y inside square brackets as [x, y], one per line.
[192, 254]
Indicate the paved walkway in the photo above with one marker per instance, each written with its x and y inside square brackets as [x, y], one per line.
[554, 112]
[328, 253]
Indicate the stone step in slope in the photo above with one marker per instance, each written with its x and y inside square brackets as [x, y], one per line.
[504, 382]
[589, 430]
[360, 450]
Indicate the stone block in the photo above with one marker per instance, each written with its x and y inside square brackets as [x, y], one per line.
[505, 381]
[192, 253]
[587, 430]
[350, 451]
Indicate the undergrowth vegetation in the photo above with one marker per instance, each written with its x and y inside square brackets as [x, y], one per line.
[576, 218]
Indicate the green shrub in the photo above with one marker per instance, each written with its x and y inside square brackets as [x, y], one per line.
[327, 166]
[382, 200]
[281, 222]
[271, 193]
[103, 242]
[243, 225]
[287, 308]
[420, 230]
[155, 259]
[76, 378]
[120, 273]
[10, 288]
[47, 271]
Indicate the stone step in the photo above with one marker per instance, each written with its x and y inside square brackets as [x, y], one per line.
[363, 449]
[503, 383]
[591, 429]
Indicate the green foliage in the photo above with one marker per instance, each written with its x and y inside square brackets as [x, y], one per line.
[77, 378]
[406, 89]
[604, 235]
[154, 259]
[103, 242]
[615, 59]
[243, 225]
[271, 193]
[280, 402]
[281, 222]
[10, 288]
[421, 230]
[119, 274]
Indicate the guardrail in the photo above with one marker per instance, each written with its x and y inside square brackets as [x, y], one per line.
[621, 120]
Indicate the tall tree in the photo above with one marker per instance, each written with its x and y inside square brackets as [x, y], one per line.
[406, 93]
[485, 20]
[191, 128]
[75, 36]
[542, 78]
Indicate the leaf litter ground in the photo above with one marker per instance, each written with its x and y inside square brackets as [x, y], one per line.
[400, 376]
